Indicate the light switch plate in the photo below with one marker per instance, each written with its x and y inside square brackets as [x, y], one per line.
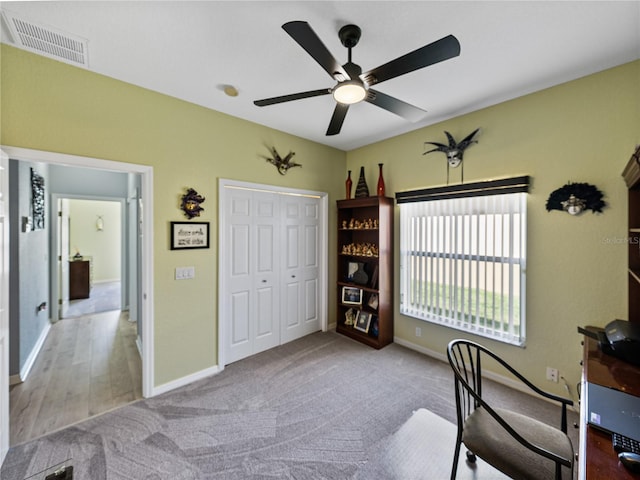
[185, 273]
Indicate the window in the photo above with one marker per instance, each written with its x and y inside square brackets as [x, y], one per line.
[463, 257]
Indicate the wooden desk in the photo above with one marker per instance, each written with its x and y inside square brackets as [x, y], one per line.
[597, 459]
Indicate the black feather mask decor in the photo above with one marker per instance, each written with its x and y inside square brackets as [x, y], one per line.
[574, 198]
[453, 150]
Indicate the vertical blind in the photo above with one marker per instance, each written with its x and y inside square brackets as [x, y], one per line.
[463, 257]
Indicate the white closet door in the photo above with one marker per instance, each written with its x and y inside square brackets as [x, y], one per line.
[251, 263]
[300, 274]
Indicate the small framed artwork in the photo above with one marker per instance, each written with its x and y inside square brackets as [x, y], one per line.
[373, 301]
[363, 321]
[189, 235]
[351, 296]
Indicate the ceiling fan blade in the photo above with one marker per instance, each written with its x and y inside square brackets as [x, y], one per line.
[302, 33]
[393, 105]
[438, 51]
[293, 96]
[337, 119]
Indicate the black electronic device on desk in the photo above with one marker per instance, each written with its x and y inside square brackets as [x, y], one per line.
[620, 339]
[618, 413]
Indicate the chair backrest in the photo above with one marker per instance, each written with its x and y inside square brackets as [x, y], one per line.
[465, 358]
[466, 361]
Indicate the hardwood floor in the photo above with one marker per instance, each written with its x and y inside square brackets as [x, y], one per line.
[88, 365]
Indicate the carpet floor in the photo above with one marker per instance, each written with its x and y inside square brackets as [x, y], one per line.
[322, 407]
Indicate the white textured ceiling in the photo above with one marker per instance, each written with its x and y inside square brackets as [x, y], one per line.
[190, 50]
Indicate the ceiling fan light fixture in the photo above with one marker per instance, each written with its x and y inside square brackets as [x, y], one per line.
[349, 92]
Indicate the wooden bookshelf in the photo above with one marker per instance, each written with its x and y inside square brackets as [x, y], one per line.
[365, 243]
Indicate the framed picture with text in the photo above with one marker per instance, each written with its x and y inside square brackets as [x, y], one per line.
[186, 235]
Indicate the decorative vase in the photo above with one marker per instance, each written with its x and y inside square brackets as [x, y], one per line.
[348, 184]
[360, 276]
[380, 181]
[361, 189]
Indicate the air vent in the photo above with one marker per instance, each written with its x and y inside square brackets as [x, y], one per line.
[47, 41]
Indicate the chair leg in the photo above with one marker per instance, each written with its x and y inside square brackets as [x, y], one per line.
[471, 457]
[456, 456]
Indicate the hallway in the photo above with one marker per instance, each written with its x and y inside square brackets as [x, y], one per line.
[88, 365]
[103, 297]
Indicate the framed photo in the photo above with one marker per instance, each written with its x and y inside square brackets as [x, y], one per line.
[189, 235]
[363, 321]
[351, 296]
[373, 301]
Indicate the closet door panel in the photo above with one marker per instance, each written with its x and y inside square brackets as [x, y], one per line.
[240, 342]
[291, 304]
[301, 269]
[264, 317]
[265, 262]
[311, 301]
[239, 278]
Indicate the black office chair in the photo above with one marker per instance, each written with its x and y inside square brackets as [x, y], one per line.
[517, 445]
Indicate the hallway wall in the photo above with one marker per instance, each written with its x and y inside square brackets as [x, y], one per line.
[28, 268]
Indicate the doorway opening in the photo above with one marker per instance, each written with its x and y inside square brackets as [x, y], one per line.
[90, 241]
[142, 283]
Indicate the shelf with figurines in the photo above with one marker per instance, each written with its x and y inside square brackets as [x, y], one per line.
[360, 250]
[356, 224]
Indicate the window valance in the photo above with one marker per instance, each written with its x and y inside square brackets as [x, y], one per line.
[475, 189]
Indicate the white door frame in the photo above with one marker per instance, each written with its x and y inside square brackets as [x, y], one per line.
[4, 306]
[223, 249]
[146, 174]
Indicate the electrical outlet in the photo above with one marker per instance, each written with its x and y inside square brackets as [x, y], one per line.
[418, 332]
[552, 374]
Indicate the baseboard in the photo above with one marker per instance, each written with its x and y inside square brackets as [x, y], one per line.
[507, 382]
[181, 382]
[95, 282]
[35, 351]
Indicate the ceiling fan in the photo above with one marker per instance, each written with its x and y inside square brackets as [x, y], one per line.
[354, 86]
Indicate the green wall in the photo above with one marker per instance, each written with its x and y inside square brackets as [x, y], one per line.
[581, 131]
[51, 106]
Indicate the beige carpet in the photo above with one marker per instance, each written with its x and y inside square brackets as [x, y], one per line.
[422, 449]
